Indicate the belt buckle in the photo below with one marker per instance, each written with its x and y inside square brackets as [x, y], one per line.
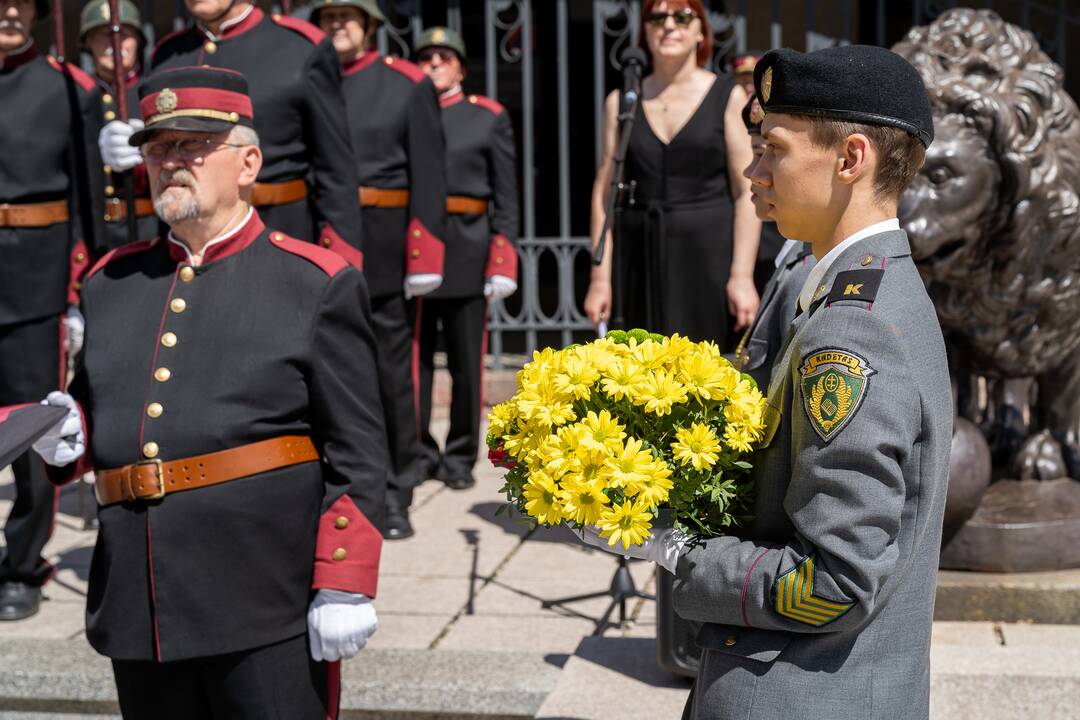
[160, 480]
[5, 214]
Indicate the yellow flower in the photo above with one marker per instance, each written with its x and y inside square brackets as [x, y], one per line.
[623, 379]
[697, 445]
[583, 501]
[542, 402]
[542, 495]
[738, 438]
[576, 377]
[628, 523]
[523, 440]
[502, 415]
[628, 464]
[652, 487]
[659, 391]
[651, 355]
[601, 431]
[677, 346]
[704, 377]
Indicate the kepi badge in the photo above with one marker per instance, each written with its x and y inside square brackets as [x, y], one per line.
[833, 384]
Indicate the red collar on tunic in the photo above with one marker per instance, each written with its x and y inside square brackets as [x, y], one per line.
[451, 98]
[220, 249]
[360, 63]
[240, 27]
[19, 57]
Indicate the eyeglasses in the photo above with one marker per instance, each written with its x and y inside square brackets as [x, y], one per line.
[429, 54]
[185, 149]
[682, 18]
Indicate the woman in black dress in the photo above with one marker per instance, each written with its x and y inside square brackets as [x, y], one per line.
[686, 235]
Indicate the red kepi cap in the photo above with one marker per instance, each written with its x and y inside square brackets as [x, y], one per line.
[193, 99]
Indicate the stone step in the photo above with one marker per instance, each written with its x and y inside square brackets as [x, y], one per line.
[67, 680]
[1040, 597]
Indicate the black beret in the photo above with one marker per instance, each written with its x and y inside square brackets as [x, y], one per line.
[752, 115]
[193, 99]
[858, 83]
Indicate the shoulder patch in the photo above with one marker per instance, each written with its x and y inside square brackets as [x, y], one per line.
[833, 384]
[81, 78]
[313, 34]
[795, 599]
[856, 285]
[492, 106]
[406, 68]
[326, 260]
[165, 40]
[121, 252]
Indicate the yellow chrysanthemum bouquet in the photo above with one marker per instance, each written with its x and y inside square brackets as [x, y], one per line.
[612, 432]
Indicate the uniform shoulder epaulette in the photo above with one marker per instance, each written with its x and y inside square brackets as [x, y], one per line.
[313, 34]
[81, 78]
[493, 106]
[121, 252]
[326, 260]
[406, 68]
[861, 285]
[165, 40]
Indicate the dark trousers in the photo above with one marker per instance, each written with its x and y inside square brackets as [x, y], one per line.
[30, 369]
[276, 682]
[463, 324]
[394, 320]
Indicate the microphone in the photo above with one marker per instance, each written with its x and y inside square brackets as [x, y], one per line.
[634, 61]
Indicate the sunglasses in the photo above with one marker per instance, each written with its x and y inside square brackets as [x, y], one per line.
[682, 18]
[429, 54]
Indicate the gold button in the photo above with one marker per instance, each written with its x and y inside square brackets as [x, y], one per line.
[109, 115]
[499, 242]
[187, 274]
[472, 99]
[326, 242]
[730, 640]
[168, 339]
[867, 260]
[79, 257]
[162, 374]
[210, 46]
[150, 449]
[339, 554]
[154, 410]
[415, 254]
[499, 261]
[389, 60]
[342, 522]
[178, 305]
[416, 233]
[106, 98]
[77, 285]
[108, 168]
[109, 190]
[277, 237]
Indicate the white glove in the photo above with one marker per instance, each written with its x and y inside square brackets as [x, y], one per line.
[663, 547]
[339, 624]
[498, 287]
[65, 442]
[74, 330]
[419, 284]
[116, 152]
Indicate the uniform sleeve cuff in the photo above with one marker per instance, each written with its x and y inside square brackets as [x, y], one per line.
[79, 263]
[329, 238]
[502, 258]
[347, 550]
[424, 253]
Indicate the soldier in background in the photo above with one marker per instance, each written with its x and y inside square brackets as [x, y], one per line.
[393, 114]
[50, 218]
[481, 260]
[296, 87]
[95, 37]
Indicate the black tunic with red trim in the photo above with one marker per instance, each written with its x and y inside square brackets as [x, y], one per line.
[295, 85]
[116, 231]
[397, 137]
[480, 163]
[48, 141]
[272, 338]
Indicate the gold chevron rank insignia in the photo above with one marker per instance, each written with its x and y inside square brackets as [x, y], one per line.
[833, 384]
[795, 598]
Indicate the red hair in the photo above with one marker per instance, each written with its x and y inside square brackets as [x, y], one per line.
[704, 49]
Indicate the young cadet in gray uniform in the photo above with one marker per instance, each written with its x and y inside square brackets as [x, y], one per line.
[761, 343]
[822, 606]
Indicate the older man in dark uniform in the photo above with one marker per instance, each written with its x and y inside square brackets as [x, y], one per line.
[481, 260]
[393, 116]
[229, 409]
[95, 36]
[50, 211]
[296, 88]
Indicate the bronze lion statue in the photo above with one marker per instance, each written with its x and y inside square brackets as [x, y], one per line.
[994, 221]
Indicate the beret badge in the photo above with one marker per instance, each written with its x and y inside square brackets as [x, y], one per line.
[166, 101]
[766, 84]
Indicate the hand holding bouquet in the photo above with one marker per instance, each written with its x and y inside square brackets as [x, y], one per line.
[611, 432]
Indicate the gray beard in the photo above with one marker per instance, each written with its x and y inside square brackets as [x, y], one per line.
[172, 211]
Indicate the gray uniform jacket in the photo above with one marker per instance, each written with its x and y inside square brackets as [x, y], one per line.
[761, 345]
[823, 607]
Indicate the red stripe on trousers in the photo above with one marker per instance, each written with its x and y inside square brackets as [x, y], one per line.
[416, 367]
[333, 690]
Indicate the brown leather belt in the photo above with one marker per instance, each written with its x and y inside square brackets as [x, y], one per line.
[383, 198]
[153, 479]
[463, 205]
[116, 208]
[281, 193]
[40, 214]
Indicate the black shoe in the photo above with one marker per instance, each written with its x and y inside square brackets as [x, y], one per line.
[398, 526]
[19, 600]
[462, 481]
